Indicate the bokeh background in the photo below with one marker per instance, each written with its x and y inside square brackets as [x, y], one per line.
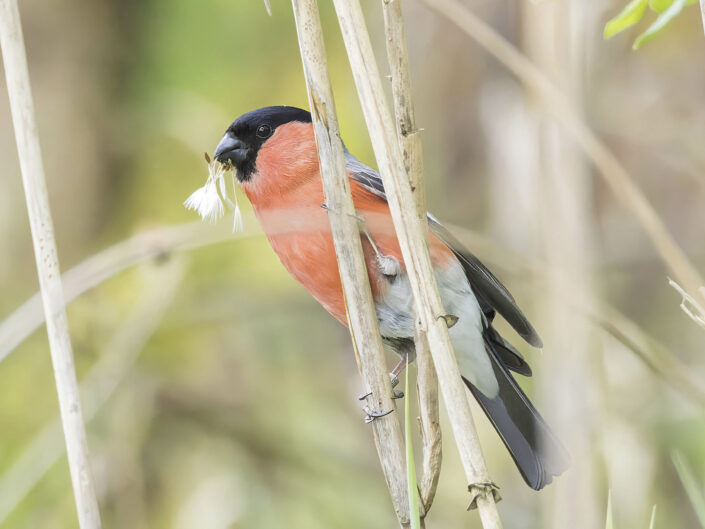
[220, 394]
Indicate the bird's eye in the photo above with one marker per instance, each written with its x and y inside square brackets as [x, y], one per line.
[263, 131]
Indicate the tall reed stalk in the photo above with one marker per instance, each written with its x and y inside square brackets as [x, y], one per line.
[413, 239]
[410, 143]
[23, 118]
[362, 317]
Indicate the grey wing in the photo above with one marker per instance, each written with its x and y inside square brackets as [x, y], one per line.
[491, 293]
[487, 286]
[365, 175]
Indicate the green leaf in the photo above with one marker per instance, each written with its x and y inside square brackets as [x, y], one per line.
[691, 486]
[652, 524]
[660, 23]
[412, 486]
[609, 522]
[630, 15]
[661, 5]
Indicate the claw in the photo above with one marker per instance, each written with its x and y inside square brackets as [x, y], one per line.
[372, 415]
[364, 396]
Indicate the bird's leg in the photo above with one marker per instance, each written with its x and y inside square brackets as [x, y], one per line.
[394, 375]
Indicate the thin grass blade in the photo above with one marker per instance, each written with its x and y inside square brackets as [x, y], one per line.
[652, 523]
[609, 522]
[692, 487]
[413, 489]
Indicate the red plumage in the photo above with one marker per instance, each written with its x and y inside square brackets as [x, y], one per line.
[287, 197]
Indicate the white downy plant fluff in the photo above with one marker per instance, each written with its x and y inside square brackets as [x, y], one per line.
[208, 202]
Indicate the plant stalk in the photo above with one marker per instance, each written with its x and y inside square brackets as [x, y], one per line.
[362, 317]
[23, 118]
[410, 142]
[413, 239]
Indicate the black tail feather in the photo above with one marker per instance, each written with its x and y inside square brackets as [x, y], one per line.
[508, 355]
[535, 449]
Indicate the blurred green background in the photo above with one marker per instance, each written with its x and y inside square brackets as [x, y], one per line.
[224, 396]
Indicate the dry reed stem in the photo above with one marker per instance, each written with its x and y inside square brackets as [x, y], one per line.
[702, 12]
[413, 239]
[429, 420]
[614, 173]
[410, 143]
[23, 117]
[116, 360]
[362, 317]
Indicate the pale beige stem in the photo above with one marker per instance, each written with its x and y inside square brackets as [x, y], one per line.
[429, 420]
[702, 12]
[23, 118]
[413, 239]
[410, 143]
[612, 170]
[362, 317]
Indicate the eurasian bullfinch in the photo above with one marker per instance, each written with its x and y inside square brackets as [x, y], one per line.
[273, 150]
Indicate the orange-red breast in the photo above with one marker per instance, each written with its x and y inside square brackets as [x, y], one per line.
[274, 152]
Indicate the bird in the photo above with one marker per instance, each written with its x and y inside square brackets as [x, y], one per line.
[273, 152]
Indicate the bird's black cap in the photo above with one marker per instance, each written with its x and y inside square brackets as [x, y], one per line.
[250, 131]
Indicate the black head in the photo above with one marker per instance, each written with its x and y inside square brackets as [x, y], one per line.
[249, 132]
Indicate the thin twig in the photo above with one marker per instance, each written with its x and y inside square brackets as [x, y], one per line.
[108, 263]
[614, 173]
[23, 117]
[413, 236]
[410, 143]
[116, 360]
[692, 308]
[362, 317]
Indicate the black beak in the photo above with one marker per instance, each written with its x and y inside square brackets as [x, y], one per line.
[231, 149]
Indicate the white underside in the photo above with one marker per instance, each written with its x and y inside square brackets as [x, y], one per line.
[395, 314]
